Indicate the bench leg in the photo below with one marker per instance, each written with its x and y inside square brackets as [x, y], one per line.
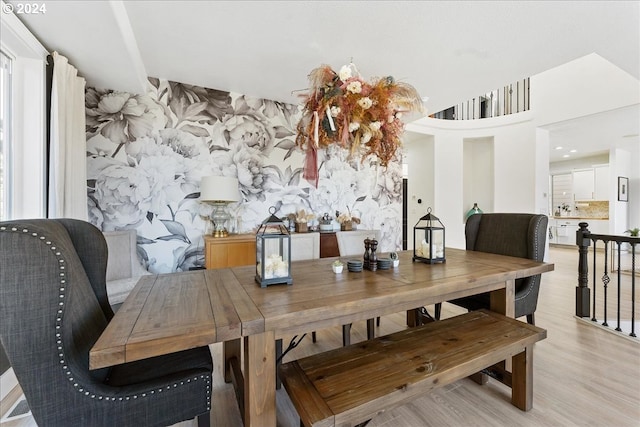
[371, 329]
[522, 379]
[278, 362]
[479, 378]
[346, 334]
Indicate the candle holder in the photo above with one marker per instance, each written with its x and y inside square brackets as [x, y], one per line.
[428, 239]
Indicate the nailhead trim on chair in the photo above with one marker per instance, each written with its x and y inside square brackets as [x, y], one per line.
[60, 314]
[535, 254]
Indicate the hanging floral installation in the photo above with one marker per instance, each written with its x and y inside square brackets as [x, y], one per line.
[364, 117]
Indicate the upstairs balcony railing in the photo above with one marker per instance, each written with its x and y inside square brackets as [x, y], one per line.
[609, 272]
[512, 98]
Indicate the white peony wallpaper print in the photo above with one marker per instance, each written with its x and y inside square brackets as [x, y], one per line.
[146, 155]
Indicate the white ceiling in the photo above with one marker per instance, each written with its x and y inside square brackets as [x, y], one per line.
[450, 51]
[595, 134]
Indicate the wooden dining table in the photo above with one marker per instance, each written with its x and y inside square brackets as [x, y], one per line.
[176, 311]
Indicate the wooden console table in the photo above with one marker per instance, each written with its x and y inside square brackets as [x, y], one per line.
[232, 251]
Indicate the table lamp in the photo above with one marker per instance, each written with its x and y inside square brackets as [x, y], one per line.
[219, 191]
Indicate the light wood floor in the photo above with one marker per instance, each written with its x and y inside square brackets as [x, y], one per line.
[583, 375]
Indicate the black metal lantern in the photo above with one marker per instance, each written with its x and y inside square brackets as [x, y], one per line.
[273, 252]
[428, 239]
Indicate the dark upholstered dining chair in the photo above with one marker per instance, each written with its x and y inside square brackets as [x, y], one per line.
[514, 234]
[54, 306]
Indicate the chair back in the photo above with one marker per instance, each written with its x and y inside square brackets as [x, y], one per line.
[513, 234]
[305, 246]
[54, 307]
[351, 243]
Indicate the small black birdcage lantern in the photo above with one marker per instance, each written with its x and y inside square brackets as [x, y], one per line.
[428, 239]
[273, 252]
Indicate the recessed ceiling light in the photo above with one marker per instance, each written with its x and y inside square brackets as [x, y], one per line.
[573, 151]
[558, 148]
[566, 155]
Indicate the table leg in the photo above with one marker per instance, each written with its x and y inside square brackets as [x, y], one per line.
[260, 380]
[503, 300]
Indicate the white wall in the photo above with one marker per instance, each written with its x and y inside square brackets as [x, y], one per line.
[543, 193]
[634, 185]
[588, 85]
[519, 167]
[479, 178]
[567, 166]
[421, 175]
[619, 211]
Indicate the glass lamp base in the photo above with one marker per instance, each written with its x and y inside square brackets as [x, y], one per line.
[219, 217]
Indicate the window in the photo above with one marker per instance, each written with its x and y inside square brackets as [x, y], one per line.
[23, 122]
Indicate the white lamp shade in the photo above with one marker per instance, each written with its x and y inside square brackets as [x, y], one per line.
[219, 189]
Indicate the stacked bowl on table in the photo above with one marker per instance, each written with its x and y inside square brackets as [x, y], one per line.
[385, 263]
[354, 265]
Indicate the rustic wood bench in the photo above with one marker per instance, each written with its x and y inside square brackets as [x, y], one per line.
[350, 385]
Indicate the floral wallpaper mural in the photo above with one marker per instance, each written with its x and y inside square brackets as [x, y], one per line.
[146, 155]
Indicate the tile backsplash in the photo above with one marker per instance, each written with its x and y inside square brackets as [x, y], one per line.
[593, 209]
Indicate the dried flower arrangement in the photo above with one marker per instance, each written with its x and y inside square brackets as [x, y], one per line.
[344, 109]
[344, 218]
[303, 217]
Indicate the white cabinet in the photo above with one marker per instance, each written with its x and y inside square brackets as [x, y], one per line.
[591, 184]
[563, 231]
[583, 184]
[602, 189]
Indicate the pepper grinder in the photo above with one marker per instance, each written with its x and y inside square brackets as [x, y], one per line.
[367, 245]
[373, 258]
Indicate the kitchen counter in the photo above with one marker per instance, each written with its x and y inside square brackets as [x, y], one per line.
[562, 229]
[582, 217]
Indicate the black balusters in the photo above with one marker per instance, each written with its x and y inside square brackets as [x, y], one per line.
[583, 240]
[582, 290]
[618, 328]
[633, 290]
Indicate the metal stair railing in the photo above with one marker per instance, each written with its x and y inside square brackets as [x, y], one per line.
[623, 300]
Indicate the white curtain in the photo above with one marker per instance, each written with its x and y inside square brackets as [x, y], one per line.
[67, 162]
